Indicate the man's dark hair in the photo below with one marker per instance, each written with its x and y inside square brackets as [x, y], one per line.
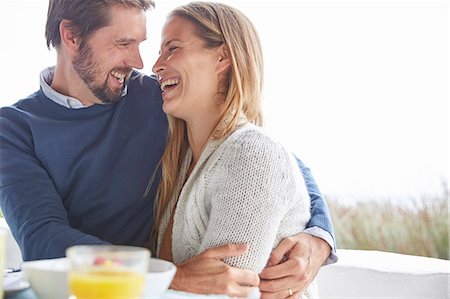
[85, 16]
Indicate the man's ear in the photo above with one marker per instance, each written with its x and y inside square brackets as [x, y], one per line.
[223, 60]
[70, 41]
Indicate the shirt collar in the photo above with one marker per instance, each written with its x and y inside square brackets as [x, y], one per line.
[46, 79]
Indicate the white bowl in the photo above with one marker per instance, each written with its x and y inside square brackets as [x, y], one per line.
[48, 278]
[159, 276]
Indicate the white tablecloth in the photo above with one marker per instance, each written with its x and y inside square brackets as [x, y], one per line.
[170, 294]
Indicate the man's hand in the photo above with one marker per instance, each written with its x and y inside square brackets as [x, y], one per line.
[206, 273]
[289, 278]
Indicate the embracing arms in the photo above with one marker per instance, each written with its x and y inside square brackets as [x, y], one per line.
[301, 247]
[306, 252]
[320, 224]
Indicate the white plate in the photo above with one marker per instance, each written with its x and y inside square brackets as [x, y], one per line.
[14, 282]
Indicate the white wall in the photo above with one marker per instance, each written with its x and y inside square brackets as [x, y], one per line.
[375, 274]
[359, 89]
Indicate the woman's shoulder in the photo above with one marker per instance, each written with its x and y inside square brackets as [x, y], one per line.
[253, 138]
[252, 144]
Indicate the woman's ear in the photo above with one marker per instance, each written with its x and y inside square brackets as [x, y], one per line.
[68, 39]
[223, 60]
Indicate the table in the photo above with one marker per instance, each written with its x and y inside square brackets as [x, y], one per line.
[169, 294]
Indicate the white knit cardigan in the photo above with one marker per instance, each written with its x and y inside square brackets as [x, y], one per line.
[245, 189]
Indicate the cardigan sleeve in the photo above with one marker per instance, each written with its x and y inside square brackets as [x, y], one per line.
[251, 189]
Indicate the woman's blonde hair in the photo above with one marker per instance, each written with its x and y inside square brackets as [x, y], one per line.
[216, 24]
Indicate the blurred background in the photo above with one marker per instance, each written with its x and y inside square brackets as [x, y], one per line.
[358, 89]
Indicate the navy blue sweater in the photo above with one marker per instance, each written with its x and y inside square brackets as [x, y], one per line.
[78, 176]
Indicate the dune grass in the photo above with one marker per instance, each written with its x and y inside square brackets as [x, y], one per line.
[422, 228]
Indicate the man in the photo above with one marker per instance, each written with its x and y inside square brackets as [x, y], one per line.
[76, 157]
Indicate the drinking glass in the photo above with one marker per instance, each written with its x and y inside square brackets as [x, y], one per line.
[107, 271]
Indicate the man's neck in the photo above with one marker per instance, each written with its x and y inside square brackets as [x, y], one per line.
[67, 82]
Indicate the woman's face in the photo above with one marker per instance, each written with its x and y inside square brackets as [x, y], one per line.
[188, 71]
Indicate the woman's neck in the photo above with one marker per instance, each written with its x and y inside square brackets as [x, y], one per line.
[199, 131]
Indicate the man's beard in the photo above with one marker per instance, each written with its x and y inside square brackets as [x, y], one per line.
[89, 71]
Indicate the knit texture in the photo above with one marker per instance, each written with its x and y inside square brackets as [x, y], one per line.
[246, 189]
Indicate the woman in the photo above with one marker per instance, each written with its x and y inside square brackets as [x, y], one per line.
[223, 180]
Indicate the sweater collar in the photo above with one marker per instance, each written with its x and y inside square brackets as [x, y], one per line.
[46, 79]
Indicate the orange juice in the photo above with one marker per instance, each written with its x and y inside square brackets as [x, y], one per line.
[106, 284]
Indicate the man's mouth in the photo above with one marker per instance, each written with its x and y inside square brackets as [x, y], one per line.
[119, 76]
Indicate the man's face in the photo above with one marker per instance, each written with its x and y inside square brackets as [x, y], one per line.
[105, 60]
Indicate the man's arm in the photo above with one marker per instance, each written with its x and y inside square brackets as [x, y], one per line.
[29, 200]
[320, 224]
[305, 252]
[207, 273]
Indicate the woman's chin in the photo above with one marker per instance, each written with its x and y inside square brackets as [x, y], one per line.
[169, 110]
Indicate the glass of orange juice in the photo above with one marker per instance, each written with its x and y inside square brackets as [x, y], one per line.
[107, 271]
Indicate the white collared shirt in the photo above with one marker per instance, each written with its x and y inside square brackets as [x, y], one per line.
[46, 79]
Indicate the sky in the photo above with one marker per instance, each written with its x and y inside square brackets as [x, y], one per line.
[358, 90]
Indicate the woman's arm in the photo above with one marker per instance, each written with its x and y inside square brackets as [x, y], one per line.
[251, 190]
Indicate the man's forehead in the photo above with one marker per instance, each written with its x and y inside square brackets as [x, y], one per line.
[127, 26]
[127, 18]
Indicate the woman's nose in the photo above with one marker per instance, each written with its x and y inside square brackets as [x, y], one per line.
[158, 66]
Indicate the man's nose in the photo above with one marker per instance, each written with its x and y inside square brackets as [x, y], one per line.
[134, 59]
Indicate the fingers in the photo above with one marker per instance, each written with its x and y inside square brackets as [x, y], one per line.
[296, 295]
[290, 293]
[276, 286]
[244, 277]
[292, 266]
[207, 273]
[236, 282]
[289, 279]
[239, 282]
[224, 251]
[240, 291]
[280, 251]
[212, 276]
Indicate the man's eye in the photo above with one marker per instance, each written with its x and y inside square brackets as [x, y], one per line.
[171, 49]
